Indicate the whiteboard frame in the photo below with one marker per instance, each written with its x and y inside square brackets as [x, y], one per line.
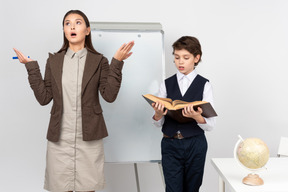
[132, 26]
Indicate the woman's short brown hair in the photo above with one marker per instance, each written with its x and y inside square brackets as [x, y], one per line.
[190, 44]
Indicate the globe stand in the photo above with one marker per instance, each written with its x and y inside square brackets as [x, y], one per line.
[253, 179]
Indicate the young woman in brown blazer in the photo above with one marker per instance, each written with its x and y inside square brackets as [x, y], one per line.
[74, 76]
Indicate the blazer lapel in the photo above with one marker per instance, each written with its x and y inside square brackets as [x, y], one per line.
[92, 63]
[56, 66]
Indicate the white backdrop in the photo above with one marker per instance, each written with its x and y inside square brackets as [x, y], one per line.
[245, 46]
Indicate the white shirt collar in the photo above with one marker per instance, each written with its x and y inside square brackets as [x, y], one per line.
[191, 76]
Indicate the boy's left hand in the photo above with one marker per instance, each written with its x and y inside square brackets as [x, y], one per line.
[189, 112]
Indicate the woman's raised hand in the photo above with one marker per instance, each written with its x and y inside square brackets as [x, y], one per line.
[22, 58]
[124, 51]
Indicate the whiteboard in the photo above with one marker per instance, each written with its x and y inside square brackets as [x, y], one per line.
[132, 136]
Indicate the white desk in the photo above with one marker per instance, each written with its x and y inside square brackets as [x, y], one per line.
[231, 174]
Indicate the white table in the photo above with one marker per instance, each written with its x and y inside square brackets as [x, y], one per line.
[231, 174]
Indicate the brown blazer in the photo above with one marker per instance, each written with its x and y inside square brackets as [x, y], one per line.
[98, 76]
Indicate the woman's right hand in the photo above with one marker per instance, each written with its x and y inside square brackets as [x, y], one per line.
[159, 109]
[22, 58]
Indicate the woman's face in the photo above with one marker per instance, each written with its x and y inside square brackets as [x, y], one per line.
[75, 29]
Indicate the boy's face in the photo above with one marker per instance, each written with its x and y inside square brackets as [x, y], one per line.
[185, 61]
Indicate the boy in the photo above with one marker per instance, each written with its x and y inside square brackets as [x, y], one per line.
[184, 145]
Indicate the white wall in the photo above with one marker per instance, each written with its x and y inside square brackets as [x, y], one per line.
[244, 44]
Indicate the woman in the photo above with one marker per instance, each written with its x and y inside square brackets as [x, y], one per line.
[74, 76]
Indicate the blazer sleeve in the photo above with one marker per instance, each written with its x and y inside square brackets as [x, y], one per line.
[110, 79]
[41, 87]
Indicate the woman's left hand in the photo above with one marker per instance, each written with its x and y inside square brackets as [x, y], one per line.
[188, 111]
[124, 51]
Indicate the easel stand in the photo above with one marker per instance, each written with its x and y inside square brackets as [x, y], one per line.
[134, 176]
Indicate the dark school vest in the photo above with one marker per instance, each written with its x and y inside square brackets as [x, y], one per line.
[193, 93]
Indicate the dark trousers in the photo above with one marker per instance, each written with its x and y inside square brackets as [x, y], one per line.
[183, 163]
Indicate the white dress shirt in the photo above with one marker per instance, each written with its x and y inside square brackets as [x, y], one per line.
[184, 82]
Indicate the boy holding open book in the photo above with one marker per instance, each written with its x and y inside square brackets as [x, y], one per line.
[184, 145]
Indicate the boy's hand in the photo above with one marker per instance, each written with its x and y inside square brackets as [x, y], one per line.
[159, 110]
[188, 111]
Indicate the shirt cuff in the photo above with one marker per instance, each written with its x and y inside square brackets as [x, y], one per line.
[209, 125]
[158, 123]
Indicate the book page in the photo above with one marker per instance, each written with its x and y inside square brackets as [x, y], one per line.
[166, 101]
[178, 104]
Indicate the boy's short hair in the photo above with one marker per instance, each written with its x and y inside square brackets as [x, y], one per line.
[190, 44]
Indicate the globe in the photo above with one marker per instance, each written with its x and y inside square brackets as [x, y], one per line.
[252, 154]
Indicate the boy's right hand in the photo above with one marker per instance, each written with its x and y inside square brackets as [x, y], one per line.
[159, 109]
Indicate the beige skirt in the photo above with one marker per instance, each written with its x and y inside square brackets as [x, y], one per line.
[73, 164]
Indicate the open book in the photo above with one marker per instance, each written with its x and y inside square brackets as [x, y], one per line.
[175, 107]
